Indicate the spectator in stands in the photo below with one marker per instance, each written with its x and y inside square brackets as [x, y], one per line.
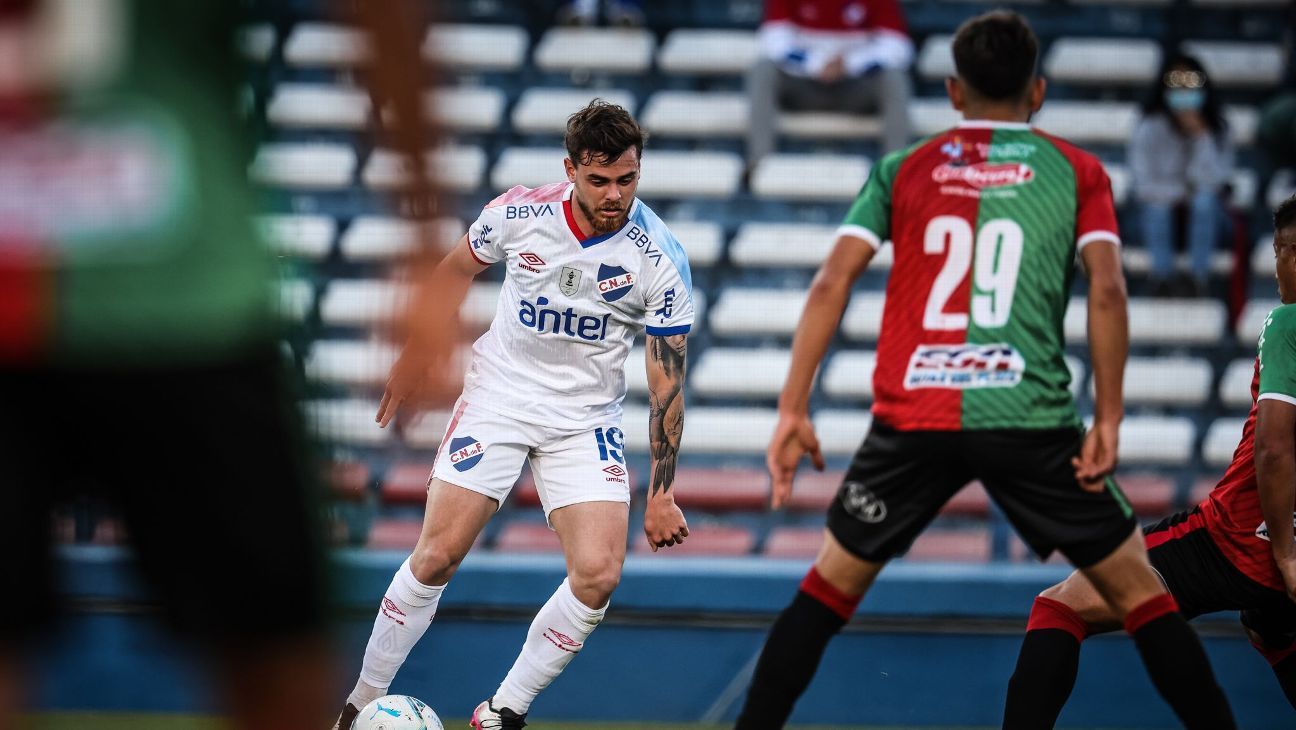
[616, 12]
[829, 55]
[1181, 157]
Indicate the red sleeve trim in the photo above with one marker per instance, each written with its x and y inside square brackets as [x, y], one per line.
[474, 255]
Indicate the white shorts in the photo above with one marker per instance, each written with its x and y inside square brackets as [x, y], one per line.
[483, 451]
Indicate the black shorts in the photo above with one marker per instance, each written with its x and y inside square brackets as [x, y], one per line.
[1202, 580]
[209, 472]
[899, 480]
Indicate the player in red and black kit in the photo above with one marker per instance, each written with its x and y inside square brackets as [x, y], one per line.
[1233, 552]
[987, 221]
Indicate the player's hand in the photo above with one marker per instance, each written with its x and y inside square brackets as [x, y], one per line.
[406, 379]
[794, 437]
[415, 384]
[664, 523]
[833, 71]
[1097, 459]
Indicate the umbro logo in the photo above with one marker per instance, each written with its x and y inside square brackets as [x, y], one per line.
[615, 471]
[530, 261]
[562, 641]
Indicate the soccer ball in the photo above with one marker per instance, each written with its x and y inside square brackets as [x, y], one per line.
[397, 712]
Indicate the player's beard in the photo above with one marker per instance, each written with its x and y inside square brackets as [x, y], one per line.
[600, 223]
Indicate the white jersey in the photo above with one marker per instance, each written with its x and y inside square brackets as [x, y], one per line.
[570, 306]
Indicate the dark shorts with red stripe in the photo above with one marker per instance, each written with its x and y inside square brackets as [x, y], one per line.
[899, 480]
[207, 468]
[1202, 580]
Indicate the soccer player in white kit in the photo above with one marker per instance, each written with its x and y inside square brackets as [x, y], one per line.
[588, 267]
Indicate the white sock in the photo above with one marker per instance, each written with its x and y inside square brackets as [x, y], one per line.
[556, 636]
[404, 615]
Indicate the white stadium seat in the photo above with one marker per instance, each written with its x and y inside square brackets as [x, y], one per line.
[828, 125]
[703, 241]
[1166, 381]
[1158, 321]
[466, 47]
[929, 116]
[1159, 440]
[1246, 186]
[1262, 257]
[602, 50]
[782, 245]
[293, 298]
[1235, 385]
[1106, 61]
[701, 174]
[458, 168]
[428, 431]
[255, 42]
[1120, 182]
[789, 176]
[1238, 63]
[935, 59]
[863, 317]
[350, 362]
[307, 236]
[529, 166]
[1139, 261]
[1243, 122]
[745, 311]
[314, 106]
[1089, 122]
[724, 372]
[705, 52]
[841, 432]
[543, 110]
[346, 421]
[1252, 320]
[1222, 438]
[327, 45]
[465, 108]
[363, 302]
[1281, 187]
[696, 114]
[310, 165]
[378, 238]
[849, 375]
[722, 430]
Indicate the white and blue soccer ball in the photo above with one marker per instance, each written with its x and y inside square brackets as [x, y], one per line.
[397, 712]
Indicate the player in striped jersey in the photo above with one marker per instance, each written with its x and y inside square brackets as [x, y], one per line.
[1233, 552]
[986, 221]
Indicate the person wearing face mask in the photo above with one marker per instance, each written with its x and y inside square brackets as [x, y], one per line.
[1181, 154]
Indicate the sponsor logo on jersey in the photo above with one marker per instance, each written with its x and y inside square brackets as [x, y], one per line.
[1262, 531]
[861, 502]
[569, 281]
[964, 367]
[530, 261]
[482, 238]
[983, 175]
[513, 212]
[668, 304]
[614, 282]
[642, 240]
[953, 149]
[465, 452]
[615, 474]
[1010, 150]
[546, 320]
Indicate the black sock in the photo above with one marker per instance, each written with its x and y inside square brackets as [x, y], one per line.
[1178, 666]
[1285, 671]
[1043, 680]
[788, 662]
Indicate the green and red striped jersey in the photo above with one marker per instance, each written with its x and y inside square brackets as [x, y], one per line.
[985, 220]
[1232, 511]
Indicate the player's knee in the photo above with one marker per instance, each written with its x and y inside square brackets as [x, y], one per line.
[433, 564]
[594, 579]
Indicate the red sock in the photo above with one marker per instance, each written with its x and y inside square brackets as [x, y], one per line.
[1149, 611]
[1050, 614]
[822, 591]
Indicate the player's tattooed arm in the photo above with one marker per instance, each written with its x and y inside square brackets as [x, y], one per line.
[666, 365]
